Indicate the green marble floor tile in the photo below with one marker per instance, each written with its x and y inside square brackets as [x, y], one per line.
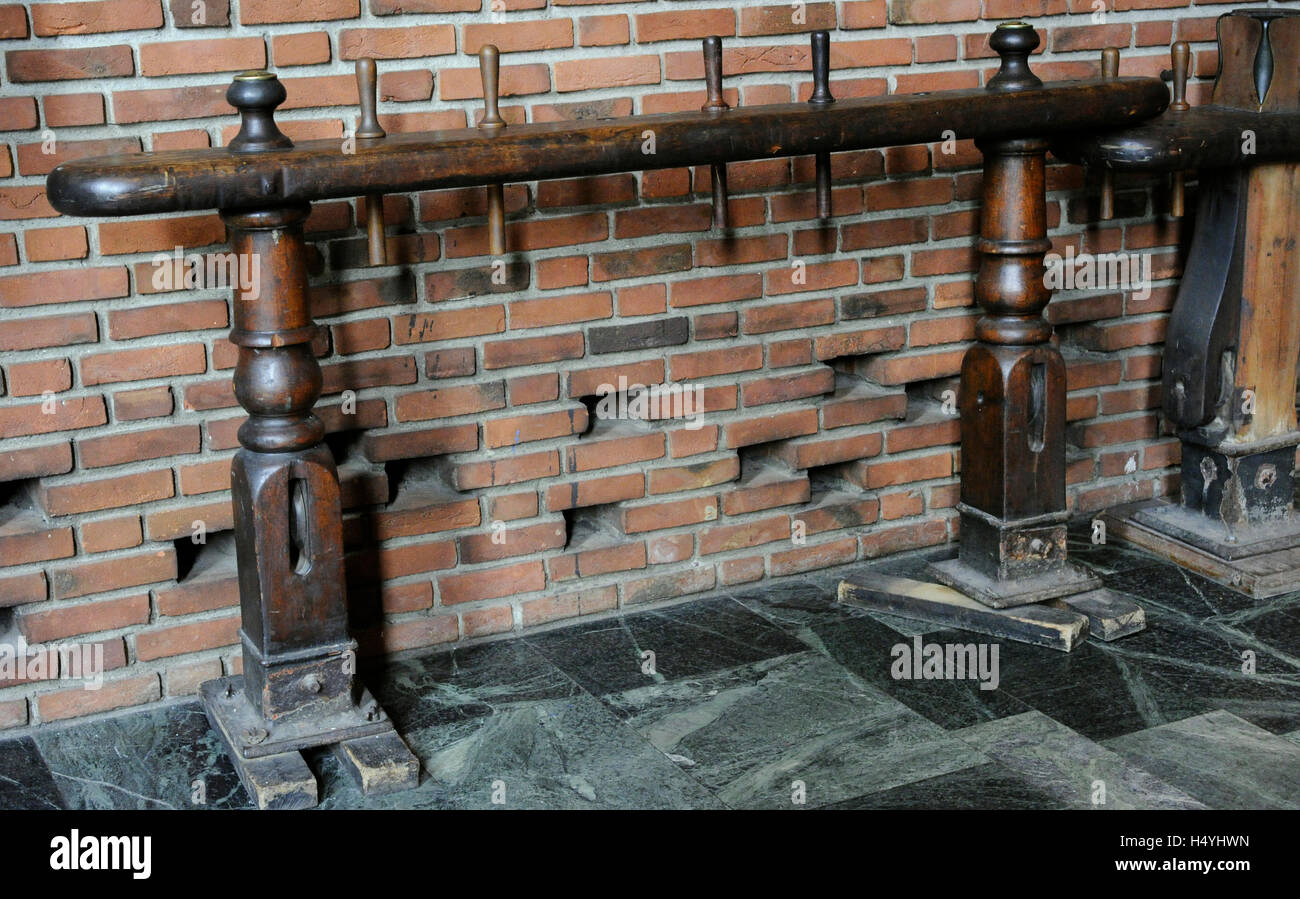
[759, 734]
[25, 780]
[991, 786]
[1071, 768]
[1220, 759]
[164, 757]
[548, 754]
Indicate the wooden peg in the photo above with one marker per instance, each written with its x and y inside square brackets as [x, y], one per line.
[715, 104]
[489, 68]
[1109, 69]
[368, 130]
[1181, 56]
[821, 96]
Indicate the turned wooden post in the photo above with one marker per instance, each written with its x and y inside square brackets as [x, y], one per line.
[299, 687]
[288, 531]
[1012, 397]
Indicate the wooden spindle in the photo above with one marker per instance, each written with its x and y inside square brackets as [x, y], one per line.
[821, 96]
[489, 67]
[298, 687]
[1181, 56]
[368, 130]
[715, 104]
[1109, 69]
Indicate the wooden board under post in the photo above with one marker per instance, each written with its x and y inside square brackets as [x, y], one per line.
[1111, 615]
[282, 781]
[1261, 576]
[1038, 624]
[379, 764]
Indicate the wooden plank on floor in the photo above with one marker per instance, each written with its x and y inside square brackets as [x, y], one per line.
[379, 764]
[1038, 624]
[1111, 615]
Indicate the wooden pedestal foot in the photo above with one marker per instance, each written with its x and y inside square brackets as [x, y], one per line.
[1064, 579]
[1110, 614]
[379, 764]
[1271, 572]
[267, 753]
[278, 781]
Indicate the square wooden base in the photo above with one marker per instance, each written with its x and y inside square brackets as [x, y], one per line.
[271, 766]
[1269, 573]
[1065, 580]
[1059, 623]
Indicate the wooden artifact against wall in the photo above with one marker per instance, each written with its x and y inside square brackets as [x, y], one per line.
[1231, 352]
[299, 687]
[1012, 555]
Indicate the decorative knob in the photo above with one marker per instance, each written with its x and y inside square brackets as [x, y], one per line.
[716, 105]
[1014, 41]
[821, 96]
[1109, 69]
[489, 68]
[256, 94]
[367, 89]
[821, 68]
[1181, 56]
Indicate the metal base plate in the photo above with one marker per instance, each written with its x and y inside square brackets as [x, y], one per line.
[243, 726]
[1005, 594]
[1263, 575]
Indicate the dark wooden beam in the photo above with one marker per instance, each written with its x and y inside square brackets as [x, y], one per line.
[145, 183]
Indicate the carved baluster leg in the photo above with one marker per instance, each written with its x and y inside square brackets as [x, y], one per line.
[287, 513]
[1013, 516]
[299, 687]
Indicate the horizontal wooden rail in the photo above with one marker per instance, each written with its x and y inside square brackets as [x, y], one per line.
[1204, 137]
[318, 170]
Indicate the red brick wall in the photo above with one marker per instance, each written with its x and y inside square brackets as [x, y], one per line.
[117, 421]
